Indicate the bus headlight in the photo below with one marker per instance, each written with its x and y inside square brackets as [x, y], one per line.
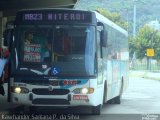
[83, 90]
[19, 90]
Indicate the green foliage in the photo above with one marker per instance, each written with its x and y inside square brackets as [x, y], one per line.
[147, 10]
[132, 46]
[114, 16]
[146, 38]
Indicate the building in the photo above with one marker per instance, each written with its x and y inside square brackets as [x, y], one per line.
[154, 24]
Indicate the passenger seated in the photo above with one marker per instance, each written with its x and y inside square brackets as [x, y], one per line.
[28, 37]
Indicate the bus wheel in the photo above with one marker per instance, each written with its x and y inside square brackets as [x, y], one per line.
[117, 100]
[96, 110]
[104, 93]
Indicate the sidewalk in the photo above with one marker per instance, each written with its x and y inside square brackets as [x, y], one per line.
[145, 74]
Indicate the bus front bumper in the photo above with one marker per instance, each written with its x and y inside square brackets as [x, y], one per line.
[31, 99]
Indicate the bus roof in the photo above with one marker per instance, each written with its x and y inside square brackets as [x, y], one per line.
[50, 9]
[105, 20]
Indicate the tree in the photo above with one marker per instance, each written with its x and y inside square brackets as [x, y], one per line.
[114, 17]
[132, 46]
[146, 38]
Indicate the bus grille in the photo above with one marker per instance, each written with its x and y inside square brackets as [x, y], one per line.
[45, 91]
[45, 101]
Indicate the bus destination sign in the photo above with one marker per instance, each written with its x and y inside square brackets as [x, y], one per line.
[57, 17]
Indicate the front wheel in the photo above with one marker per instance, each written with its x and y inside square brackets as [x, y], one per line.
[96, 110]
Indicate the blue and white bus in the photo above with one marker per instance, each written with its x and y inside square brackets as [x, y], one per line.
[65, 58]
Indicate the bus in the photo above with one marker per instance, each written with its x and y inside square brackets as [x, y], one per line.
[66, 58]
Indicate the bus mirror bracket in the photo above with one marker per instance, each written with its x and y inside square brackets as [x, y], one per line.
[103, 35]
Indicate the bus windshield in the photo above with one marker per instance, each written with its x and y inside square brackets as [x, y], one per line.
[60, 50]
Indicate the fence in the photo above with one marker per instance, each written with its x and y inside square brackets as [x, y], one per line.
[141, 65]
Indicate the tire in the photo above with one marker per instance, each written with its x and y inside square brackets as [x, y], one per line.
[96, 110]
[117, 100]
[104, 94]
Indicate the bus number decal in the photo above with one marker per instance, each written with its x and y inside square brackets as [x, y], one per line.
[70, 82]
[33, 16]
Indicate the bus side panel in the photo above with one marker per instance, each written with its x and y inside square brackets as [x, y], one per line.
[109, 79]
[125, 73]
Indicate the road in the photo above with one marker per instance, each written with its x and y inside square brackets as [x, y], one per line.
[141, 101]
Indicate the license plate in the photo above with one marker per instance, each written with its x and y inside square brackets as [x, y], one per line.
[80, 97]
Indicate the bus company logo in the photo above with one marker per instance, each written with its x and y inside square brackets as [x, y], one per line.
[54, 82]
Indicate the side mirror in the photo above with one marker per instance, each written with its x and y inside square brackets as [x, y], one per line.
[103, 34]
[104, 38]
